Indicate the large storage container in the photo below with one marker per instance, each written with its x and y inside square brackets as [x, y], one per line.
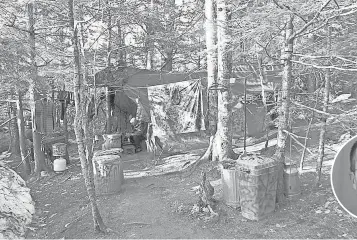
[230, 186]
[108, 174]
[257, 186]
[59, 149]
[291, 181]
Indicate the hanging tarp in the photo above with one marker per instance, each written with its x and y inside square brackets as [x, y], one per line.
[176, 107]
[123, 103]
[44, 116]
[141, 113]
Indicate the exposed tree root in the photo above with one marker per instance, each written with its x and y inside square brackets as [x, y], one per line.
[204, 158]
[211, 154]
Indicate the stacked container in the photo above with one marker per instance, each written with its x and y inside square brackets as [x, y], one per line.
[59, 150]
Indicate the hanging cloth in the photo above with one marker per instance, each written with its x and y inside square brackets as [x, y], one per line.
[177, 107]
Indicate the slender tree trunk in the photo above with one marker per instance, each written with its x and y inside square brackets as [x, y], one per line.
[170, 27]
[211, 41]
[168, 60]
[212, 96]
[80, 101]
[149, 41]
[222, 140]
[121, 46]
[15, 147]
[109, 50]
[108, 111]
[284, 101]
[20, 122]
[39, 156]
[66, 135]
[264, 99]
[323, 118]
[311, 82]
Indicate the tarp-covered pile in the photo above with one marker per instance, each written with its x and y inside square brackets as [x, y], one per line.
[176, 108]
[16, 205]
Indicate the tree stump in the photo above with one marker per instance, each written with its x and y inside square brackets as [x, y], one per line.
[108, 174]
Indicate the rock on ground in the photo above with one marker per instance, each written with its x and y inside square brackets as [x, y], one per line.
[16, 205]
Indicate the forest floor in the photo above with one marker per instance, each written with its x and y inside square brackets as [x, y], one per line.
[160, 207]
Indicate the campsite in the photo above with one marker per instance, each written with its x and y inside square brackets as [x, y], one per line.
[178, 119]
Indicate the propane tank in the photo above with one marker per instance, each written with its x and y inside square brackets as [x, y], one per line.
[59, 164]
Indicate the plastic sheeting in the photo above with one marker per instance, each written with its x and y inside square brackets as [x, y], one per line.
[124, 103]
[176, 108]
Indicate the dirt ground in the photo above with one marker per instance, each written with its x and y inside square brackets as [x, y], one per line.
[160, 207]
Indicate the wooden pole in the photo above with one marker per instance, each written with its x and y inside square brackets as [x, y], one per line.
[245, 114]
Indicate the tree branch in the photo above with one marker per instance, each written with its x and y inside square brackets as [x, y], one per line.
[12, 25]
[289, 9]
[326, 67]
[308, 24]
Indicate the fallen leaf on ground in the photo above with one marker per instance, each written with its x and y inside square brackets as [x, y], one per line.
[318, 211]
[327, 211]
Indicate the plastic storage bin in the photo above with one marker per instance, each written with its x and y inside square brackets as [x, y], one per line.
[257, 186]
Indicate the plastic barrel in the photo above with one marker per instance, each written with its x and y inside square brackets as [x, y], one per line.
[292, 181]
[230, 185]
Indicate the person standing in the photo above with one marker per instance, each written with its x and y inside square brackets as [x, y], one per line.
[139, 129]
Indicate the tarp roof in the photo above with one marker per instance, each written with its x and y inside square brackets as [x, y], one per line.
[141, 78]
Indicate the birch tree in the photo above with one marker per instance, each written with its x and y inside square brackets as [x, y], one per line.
[81, 123]
[211, 48]
[222, 140]
[326, 94]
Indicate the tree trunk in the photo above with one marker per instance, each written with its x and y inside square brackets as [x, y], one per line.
[149, 54]
[311, 83]
[168, 60]
[222, 140]
[323, 118]
[149, 43]
[284, 101]
[80, 101]
[66, 135]
[108, 111]
[121, 59]
[39, 156]
[211, 41]
[20, 122]
[15, 147]
[109, 50]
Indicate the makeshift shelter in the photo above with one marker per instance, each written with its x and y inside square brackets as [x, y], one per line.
[133, 84]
